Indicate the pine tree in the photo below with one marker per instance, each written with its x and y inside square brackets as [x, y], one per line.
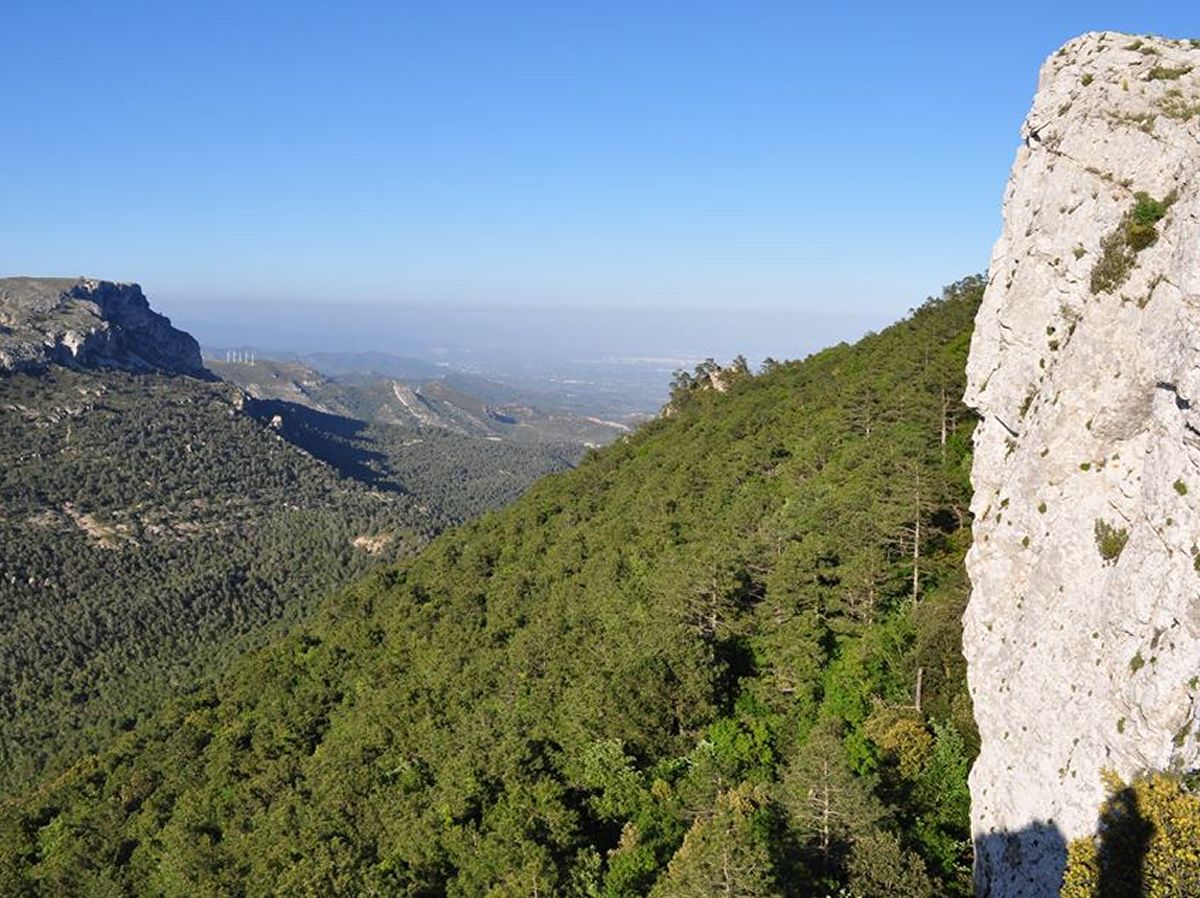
[723, 855]
[827, 805]
[881, 868]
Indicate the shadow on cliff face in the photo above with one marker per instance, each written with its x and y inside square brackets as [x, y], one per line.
[1124, 840]
[1028, 863]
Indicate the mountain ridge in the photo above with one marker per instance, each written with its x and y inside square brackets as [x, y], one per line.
[156, 521]
[89, 323]
[453, 402]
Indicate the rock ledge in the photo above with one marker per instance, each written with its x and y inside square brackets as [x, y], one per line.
[85, 323]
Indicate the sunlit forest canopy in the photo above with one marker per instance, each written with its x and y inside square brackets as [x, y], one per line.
[722, 654]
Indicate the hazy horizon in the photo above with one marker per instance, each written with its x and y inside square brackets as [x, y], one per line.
[682, 179]
[590, 334]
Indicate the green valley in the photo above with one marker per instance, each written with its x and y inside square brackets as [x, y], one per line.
[155, 526]
[722, 656]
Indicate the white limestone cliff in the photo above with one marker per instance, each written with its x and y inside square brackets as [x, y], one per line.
[1088, 390]
[81, 322]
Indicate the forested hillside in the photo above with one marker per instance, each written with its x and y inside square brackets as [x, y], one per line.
[721, 657]
[151, 530]
[458, 475]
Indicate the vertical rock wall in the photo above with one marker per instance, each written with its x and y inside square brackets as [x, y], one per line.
[1082, 635]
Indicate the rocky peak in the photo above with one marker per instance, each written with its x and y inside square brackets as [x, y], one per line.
[1082, 635]
[85, 323]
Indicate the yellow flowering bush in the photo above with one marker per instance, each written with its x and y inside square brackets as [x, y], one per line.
[1147, 845]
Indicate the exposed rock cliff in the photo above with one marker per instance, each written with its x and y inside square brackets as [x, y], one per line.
[87, 323]
[1083, 632]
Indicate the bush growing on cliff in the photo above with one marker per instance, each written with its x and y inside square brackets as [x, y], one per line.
[1147, 212]
[1110, 540]
[1115, 262]
[1136, 231]
[1166, 73]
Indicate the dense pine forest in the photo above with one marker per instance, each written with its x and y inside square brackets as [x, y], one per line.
[720, 657]
[152, 531]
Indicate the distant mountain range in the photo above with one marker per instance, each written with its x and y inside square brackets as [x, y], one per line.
[454, 401]
[623, 389]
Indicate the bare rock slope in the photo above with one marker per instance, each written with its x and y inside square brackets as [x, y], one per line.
[1083, 631]
[88, 323]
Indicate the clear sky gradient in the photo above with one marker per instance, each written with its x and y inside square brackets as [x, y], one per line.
[791, 157]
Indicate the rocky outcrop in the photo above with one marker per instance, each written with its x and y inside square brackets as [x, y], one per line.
[1082, 635]
[84, 323]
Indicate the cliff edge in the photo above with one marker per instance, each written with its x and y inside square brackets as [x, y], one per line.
[1082, 636]
[85, 323]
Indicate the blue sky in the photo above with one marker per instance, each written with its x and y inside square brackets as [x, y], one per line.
[800, 159]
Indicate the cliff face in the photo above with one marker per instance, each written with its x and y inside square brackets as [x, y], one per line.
[1082, 635]
[88, 323]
